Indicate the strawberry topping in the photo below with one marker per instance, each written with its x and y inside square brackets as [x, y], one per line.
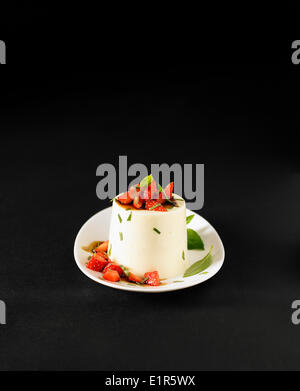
[155, 205]
[96, 263]
[152, 278]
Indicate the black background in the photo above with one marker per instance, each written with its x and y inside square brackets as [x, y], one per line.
[83, 86]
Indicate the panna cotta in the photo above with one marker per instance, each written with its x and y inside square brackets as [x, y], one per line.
[147, 240]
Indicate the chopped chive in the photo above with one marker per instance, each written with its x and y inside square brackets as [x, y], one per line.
[156, 230]
[144, 280]
[183, 257]
[109, 251]
[154, 206]
[120, 218]
[121, 236]
[129, 217]
[125, 270]
[89, 257]
[178, 281]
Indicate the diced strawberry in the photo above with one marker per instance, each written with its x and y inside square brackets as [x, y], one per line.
[169, 190]
[132, 277]
[150, 205]
[125, 198]
[132, 191]
[103, 247]
[111, 275]
[159, 198]
[152, 187]
[145, 194]
[113, 266]
[96, 263]
[137, 202]
[149, 192]
[102, 254]
[153, 278]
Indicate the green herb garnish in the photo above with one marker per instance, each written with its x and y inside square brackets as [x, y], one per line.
[155, 206]
[178, 281]
[125, 270]
[120, 218]
[144, 280]
[89, 257]
[194, 240]
[129, 217]
[183, 257]
[189, 218]
[146, 181]
[109, 251]
[121, 236]
[165, 196]
[200, 265]
[156, 230]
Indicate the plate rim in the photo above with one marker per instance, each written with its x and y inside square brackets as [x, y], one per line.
[165, 288]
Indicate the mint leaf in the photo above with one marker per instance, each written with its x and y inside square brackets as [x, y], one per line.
[146, 181]
[200, 265]
[189, 219]
[194, 240]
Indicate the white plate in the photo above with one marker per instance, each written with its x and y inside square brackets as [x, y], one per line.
[97, 228]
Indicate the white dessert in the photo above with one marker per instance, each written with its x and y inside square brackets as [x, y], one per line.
[136, 244]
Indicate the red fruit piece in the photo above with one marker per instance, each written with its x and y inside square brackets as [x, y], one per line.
[169, 190]
[137, 202]
[125, 198]
[113, 266]
[159, 198]
[145, 194]
[153, 278]
[152, 187]
[102, 254]
[149, 192]
[96, 263]
[150, 205]
[132, 192]
[103, 247]
[111, 275]
[132, 277]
